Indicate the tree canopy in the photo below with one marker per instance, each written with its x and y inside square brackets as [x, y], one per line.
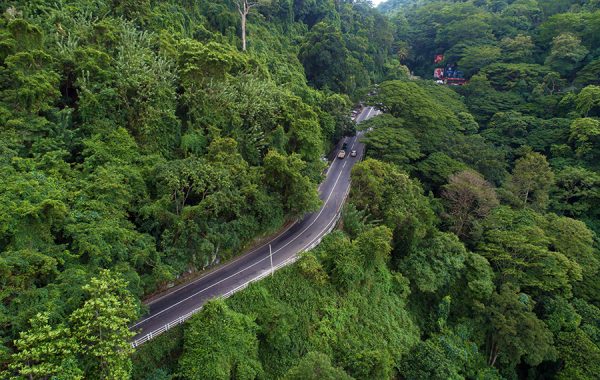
[142, 142]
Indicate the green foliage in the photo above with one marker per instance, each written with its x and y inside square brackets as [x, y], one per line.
[120, 119]
[389, 141]
[336, 107]
[435, 263]
[159, 359]
[354, 220]
[136, 137]
[45, 351]
[509, 129]
[520, 246]
[566, 54]
[392, 197]
[518, 48]
[93, 342]
[588, 101]
[576, 192]
[516, 332]
[476, 57]
[438, 168]
[417, 107]
[589, 74]
[337, 332]
[484, 100]
[325, 58]
[220, 344]
[589, 318]
[374, 246]
[311, 268]
[101, 328]
[475, 286]
[468, 198]
[284, 175]
[530, 182]
[517, 77]
[581, 356]
[479, 154]
[585, 134]
[316, 366]
[429, 361]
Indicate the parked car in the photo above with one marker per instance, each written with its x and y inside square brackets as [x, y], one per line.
[342, 154]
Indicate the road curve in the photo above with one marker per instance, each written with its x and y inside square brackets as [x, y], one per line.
[179, 303]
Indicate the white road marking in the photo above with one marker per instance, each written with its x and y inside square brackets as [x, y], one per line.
[256, 263]
[237, 259]
[332, 220]
[294, 256]
[217, 269]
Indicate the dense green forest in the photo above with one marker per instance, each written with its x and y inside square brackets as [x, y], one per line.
[139, 143]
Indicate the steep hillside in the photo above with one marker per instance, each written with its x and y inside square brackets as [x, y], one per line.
[140, 143]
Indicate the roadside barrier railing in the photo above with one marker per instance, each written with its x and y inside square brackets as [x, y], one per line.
[153, 334]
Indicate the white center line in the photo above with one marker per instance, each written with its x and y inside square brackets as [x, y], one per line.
[256, 263]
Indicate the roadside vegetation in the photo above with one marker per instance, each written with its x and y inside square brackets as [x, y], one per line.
[139, 143]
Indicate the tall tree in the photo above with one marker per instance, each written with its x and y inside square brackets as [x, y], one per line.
[244, 7]
[515, 331]
[284, 175]
[391, 196]
[468, 197]
[45, 351]
[388, 141]
[101, 328]
[522, 251]
[585, 135]
[566, 54]
[325, 58]
[530, 182]
[588, 101]
[577, 192]
[518, 49]
[220, 344]
[435, 263]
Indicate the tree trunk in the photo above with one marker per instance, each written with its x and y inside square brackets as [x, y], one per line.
[244, 14]
[244, 7]
[526, 197]
[493, 356]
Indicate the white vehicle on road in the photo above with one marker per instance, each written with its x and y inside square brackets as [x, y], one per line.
[178, 304]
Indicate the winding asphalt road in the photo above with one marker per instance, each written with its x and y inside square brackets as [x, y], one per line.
[180, 302]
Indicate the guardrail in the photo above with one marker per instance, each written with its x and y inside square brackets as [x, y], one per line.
[264, 274]
[151, 335]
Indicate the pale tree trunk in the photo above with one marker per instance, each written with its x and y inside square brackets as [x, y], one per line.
[493, 356]
[244, 31]
[244, 7]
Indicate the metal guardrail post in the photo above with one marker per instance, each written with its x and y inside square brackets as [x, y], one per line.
[289, 261]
